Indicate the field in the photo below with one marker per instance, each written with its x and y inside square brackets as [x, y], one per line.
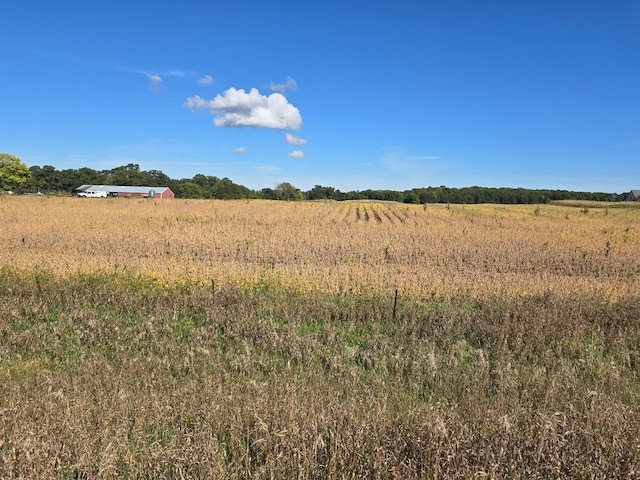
[255, 339]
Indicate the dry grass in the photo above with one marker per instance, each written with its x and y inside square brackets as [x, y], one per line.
[256, 340]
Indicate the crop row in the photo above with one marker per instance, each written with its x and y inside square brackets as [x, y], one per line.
[427, 251]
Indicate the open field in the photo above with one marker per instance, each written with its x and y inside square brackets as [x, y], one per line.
[210, 339]
[437, 251]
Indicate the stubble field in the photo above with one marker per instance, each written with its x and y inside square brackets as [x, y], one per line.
[211, 339]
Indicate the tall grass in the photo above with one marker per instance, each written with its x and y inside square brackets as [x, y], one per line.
[105, 381]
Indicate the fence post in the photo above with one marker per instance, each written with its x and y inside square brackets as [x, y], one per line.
[395, 303]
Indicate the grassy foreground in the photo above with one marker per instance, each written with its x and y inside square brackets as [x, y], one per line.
[123, 379]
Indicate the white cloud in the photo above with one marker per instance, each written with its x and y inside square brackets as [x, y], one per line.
[293, 140]
[237, 108]
[239, 150]
[289, 84]
[196, 103]
[296, 154]
[155, 80]
[206, 80]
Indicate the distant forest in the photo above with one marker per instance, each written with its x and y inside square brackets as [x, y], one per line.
[49, 180]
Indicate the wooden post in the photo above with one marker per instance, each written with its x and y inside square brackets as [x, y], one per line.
[395, 303]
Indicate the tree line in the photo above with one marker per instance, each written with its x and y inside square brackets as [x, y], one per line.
[14, 175]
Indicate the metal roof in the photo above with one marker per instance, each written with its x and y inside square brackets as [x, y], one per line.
[121, 189]
[634, 195]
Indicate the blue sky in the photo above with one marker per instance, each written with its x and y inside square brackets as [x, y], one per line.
[350, 94]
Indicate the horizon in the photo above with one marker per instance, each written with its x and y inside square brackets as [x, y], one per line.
[462, 93]
[257, 190]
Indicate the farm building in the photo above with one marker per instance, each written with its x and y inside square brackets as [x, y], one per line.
[634, 196]
[124, 191]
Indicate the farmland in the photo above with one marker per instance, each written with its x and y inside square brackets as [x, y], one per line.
[437, 251]
[257, 339]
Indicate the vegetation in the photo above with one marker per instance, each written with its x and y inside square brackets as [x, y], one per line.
[283, 191]
[47, 178]
[208, 339]
[13, 173]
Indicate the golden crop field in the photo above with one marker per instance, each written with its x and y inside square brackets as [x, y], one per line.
[431, 251]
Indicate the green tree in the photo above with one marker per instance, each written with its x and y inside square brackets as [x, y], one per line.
[38, 179]
[14, 174]
[70, 179]
[411, 197]
[268, 194]
[286, 191]
[319, 192]
[157, 178]
[45, 178]
[225, 189]
[88, 176]
[127, 175]
[190, 190]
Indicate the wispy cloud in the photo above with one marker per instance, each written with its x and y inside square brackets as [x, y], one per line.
[293, 140]
[237, 108]
[155, 76]
[239, 150]
[268, 168]
[296, 154]
[289, 84]
[397, 159]
[179, 73]
[205, 80]
[155, 80]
